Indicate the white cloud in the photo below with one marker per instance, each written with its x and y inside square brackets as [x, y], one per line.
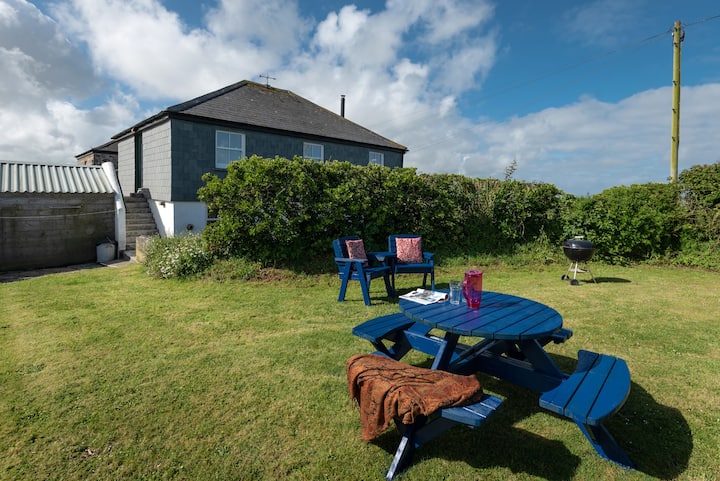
[33, 44]
[44, 77]
[153, 52]
[598, 22]
[463, 68]
[590, 145]
[446, 19]
[403, 69]
[274, 26]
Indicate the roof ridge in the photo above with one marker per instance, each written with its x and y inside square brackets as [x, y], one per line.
[217, 93]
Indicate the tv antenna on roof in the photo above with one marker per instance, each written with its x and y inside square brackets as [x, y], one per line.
[267, 78]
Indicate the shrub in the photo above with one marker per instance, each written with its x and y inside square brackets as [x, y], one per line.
[628, 223]
[702, 254]
[524, 212]
[701, 198]
[270, 210]
[176, 257]
[278, 211]
[286, 213]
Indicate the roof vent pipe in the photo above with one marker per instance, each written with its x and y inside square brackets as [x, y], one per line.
[342, 105]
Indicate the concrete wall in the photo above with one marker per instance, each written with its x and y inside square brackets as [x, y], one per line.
[52, 230]
[177, 218]
[98, 158]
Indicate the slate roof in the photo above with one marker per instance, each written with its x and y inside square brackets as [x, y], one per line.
[39, 178]
[252, 104]
[110, 147]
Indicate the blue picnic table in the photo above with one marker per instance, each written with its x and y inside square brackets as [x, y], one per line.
[506, 338]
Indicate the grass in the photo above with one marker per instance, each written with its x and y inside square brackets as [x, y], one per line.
[109, 374]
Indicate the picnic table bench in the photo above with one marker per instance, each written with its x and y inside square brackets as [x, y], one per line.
[596, 390]
[419, 433]
[394, 335]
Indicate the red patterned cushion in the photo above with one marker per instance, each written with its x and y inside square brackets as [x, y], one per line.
[409, 250]
[355, 249]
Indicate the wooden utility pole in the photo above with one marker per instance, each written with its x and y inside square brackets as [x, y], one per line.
[678, 37]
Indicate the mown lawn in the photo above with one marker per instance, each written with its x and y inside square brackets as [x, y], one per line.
[107, 374]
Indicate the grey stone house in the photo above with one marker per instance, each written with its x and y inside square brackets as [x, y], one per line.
[166, 155]
[107, 152]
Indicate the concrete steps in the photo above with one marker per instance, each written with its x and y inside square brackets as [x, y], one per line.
[139, 220]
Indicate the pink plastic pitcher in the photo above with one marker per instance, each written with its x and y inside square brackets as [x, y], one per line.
[472, 288]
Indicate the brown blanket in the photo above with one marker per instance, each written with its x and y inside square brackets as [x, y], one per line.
[387, 389]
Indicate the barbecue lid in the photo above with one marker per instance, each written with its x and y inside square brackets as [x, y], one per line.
[578, 244]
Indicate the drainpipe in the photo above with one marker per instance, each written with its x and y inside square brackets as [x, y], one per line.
[120, 228]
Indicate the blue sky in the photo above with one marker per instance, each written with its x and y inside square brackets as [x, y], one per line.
[576, 92]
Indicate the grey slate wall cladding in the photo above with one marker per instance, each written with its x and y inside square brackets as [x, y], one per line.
[126, 165]
[193, 154]
[52, 230]
[157, 171]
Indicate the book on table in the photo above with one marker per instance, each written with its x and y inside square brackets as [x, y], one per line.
[425, 296]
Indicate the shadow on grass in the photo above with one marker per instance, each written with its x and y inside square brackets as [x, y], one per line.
[12, 276]
[497, 443]
[601, 280]
[612, 280]
[656, 437]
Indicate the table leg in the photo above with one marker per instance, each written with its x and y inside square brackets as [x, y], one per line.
[524, 363]
[540, 359]
[445, 352]
[404, 452]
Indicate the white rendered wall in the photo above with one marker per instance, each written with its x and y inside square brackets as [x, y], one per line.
[177, 218]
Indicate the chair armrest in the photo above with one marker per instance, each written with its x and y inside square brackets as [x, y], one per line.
[348, 259]
[429, 256]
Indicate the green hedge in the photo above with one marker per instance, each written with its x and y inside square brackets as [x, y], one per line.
[629, 223]
[278, 211]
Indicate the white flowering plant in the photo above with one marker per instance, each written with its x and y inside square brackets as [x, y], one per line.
[177, 257]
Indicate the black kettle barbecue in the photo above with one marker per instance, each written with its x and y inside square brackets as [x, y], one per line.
[578, 250]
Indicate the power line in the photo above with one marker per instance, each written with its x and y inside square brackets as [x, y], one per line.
[633, 45]
[714, 17]
[556, 71]
[550, 73]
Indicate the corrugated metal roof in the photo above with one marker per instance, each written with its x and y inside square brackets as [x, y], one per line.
[33, 177]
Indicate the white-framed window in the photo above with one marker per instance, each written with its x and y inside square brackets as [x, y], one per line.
[229, 146]
[376, 158]
[313, 151]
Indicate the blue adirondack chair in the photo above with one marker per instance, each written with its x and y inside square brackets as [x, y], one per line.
[425, 266]
[358, 269]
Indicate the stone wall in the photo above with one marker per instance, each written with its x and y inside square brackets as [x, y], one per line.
[52, 230]
[98, 158]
